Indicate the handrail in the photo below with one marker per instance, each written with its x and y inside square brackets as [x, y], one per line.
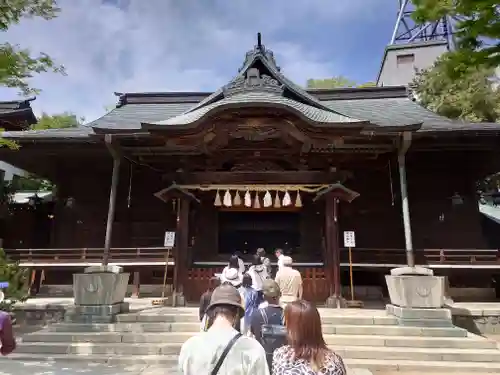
[158, 254]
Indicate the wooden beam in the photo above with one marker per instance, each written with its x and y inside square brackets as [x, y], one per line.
[286, 177]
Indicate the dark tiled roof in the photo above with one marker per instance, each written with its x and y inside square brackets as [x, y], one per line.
[19, 109]
[81, 132]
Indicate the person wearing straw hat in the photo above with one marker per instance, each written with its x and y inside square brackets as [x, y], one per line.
[222, 350]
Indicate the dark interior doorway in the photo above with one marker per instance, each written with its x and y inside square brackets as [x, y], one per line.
[247, 231]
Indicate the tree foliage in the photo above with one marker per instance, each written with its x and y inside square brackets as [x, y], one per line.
[473, 97]
[18, 65]
[58, 121]
[17, 277]
[477, 29]
[335, 82]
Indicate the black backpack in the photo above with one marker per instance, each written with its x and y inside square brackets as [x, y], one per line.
[273, 336]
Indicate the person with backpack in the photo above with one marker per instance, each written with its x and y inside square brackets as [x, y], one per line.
[222, 350]
[7, 339]
[267, 325]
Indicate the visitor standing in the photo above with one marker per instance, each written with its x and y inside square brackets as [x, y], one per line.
[250, 299]
[231, 274]
[289, 281]
[222, 350]
[258, 272]
[265, 260]
[241, 263]
[306, 351]
[267, 323]
[7, 339]
[205, 301]
[279, 257]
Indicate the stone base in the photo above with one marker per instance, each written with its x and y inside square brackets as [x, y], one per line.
[336, 302]
[417, 290]
[100, 288]
[419, 317]
[95, 314]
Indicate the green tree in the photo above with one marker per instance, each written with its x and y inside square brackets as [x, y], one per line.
[473, 97]
[18, 65]
[59, 121]
[477, 30]
[17, 277]
[335, 82]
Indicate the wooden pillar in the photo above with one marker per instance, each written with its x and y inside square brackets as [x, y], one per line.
[137, 284]
[112, 199]
[332, 256]
[181, 245]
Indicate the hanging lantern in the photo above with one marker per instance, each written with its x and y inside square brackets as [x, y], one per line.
[298, 201]
[248, 199]
[256, 202]
[287, 201]
[217, 201]
[228, 200]
[268, 200]
[237, 199]
[277, 201]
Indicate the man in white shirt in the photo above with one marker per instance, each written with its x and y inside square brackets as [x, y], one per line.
[201, 354]
[289, 281]
[279, 255]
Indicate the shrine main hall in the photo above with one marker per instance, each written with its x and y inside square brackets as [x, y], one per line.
[260, 162]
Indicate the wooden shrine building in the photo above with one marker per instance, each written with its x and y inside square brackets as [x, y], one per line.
[262, 162]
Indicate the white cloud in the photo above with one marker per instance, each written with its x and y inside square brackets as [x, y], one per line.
[163, 45]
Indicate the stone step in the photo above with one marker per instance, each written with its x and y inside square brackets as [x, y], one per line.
[379, 330]
[418, 354]
[473, 342]
[373, 364]
[351, 351]
[169, 317]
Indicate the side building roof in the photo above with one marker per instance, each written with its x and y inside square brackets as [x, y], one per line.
[17, 114]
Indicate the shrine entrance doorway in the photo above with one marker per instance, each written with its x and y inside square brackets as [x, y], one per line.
[246, 230]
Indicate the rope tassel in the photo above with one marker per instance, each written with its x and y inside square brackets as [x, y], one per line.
[256, 202]
[237, 199]
[298, 201]
[268, 200]
[248, 199]
[287, 201]
[227, 199]
[217, 201]
[277, 201]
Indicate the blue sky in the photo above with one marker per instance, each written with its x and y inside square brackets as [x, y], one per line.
[182, 45]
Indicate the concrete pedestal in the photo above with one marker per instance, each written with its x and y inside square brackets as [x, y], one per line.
[417, 298]
[99, 293]
[336, 302]
[419, 289]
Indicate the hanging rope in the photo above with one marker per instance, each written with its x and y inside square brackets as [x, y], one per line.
[256, 188]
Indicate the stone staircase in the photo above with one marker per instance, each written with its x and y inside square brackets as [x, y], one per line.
[364, 338]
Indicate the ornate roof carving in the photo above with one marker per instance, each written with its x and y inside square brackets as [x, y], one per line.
[253, 81]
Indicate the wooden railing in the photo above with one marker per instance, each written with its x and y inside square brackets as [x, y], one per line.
[154, 255]
[88, 255]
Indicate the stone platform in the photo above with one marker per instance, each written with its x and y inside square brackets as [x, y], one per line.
[365, 338]
[479, 318]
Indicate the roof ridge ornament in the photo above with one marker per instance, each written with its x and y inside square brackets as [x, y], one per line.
[260, 49]
[253, 81]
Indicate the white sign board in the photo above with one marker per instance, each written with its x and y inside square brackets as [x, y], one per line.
[349, 239]
[169, 239]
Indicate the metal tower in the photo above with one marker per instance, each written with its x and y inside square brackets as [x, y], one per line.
[407, 31]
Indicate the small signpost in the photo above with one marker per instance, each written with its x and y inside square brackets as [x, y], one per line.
[350, 242]
[168, 243]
